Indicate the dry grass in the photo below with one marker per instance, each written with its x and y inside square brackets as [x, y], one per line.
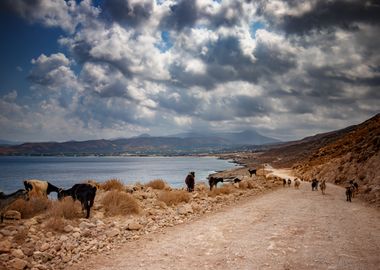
[31, 208]
[120, 203]
[113, 184]
[156, 184]
[247, 185]
[223, 190]
[67, 209]
[174, 197]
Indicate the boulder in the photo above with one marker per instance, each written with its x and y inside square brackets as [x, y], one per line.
[18, 253]
[5, 246]
[134, 226]
[184, 209]
[113, 232]
[12, 214]
[17, 263]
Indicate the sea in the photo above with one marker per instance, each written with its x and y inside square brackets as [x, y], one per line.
[64, 172]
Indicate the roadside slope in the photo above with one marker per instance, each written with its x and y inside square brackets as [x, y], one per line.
[285, 229]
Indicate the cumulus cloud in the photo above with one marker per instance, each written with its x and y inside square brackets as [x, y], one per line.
[287, 68]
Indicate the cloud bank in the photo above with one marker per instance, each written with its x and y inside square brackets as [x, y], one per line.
[288, 69]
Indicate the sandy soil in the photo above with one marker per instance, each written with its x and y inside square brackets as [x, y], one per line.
[284, 229]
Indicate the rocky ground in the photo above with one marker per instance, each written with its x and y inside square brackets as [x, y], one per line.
[31, 244]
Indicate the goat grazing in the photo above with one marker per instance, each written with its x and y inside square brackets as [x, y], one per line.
[252, 172]
[314, 184]
[85, 193]
[297, 183]
[213, 181]
[348, 193]
[190, 181]
[323, 186]
[6, 200]
[40, 188]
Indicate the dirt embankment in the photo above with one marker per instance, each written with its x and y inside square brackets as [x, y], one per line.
[286, 229]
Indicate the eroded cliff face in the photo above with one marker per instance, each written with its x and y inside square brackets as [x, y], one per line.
[354, 156]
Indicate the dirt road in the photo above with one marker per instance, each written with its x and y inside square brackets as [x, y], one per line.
[285, 229]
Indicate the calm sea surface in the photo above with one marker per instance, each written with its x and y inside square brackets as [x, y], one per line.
[67, 171]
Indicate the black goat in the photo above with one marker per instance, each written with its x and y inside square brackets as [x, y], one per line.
[213, 181]
[85, 193]
[190, 181]
[349, 193]
[252, 172]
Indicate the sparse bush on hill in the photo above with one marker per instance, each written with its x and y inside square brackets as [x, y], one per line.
[120, 203]
[31, 208]
[55, 223]
[112, 184]
[174, 197]
[156, 184]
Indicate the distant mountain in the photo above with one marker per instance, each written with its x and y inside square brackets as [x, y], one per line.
[5, 142]
[246, 137]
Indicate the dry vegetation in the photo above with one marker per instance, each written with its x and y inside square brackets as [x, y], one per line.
[112, 184]
[225, 190]
[120, 203]
[174, 197]
[156, 184]
[31, 208]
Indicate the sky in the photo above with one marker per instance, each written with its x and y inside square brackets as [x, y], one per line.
[80, 70]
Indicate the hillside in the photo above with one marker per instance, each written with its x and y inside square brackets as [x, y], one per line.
[352, 153]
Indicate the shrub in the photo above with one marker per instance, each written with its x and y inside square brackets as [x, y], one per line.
[67, 209]
[174, 197]
[20, 236]
[120, 203]
[112, 184]
[156, 184]
[223, 190]
[31, 208]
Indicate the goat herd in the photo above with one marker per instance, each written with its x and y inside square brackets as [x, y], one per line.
[351, 190]
[85, 193]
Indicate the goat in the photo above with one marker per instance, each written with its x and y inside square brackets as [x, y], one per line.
[314, 184]
[323, 186]
[284, 182]
[297, 183]
[289, 182]
[251, 172]
[85, 193]
[213, 181]
[39, 187]
[6, 200]
[237, 180]
[348, 193]
[190, 181]
[354, 188]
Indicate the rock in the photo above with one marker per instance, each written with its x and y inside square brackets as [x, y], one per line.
[113, 232]
[41, 256]
[76, 234]
[44, 247]
[5, 246]
[63, 238]
[86, 225]
[68, 228]
[12, 214]
[184, 209]
[134, 226]
[17, 263]
[18, 253]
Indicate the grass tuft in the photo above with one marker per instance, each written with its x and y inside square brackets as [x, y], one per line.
[223, 190]
[156, 184]
[174, 197]
[67, 209]
[120, 203]
[113, 184]
[31, 208]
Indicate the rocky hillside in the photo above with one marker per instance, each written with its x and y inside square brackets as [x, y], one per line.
[352, 153]
[353, 156]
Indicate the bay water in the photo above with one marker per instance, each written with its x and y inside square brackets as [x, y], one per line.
[64, 172]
